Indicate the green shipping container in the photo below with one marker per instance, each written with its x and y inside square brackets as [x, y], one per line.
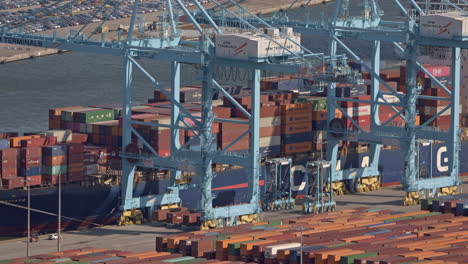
[55, 170]
[274, 223]
[61, 260]
[426, 215]
[350, 259]
[319, 103]
[341, 244]
[398, 219]
[5, 261]
[96, 116]
[32, 260]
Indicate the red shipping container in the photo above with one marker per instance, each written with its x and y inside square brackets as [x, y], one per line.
[31, 157]
[34, 180]
[75, 148]
[225, 140]
[8, 173]
[222, 112]
[15, 182]
[176, 217]
[33, 142]
[363, 121]
[9, 158]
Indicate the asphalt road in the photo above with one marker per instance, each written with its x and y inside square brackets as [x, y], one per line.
[142, 237]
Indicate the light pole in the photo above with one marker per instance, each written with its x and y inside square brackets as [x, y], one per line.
[302, 244]
[28, 250]
[59, 215]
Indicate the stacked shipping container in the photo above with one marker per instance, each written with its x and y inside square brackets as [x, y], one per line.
[350, 236]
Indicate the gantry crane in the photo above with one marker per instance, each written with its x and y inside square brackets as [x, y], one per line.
[405, 36]
[277, 194]
[168, 46]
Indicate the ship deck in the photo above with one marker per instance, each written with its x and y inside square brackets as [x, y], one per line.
[142, 237]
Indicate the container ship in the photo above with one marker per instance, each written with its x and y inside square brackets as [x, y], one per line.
[81, 150]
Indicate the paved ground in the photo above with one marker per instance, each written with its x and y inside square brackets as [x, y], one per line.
[142, 237]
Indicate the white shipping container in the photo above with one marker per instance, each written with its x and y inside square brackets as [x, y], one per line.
[270, 121]
[271, 251]
[270, 141]
[358, 111]
[445, 25]
[390, 98]
[62, 135]
[246, 45]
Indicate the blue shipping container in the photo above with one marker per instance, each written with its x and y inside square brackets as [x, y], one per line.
[56, 150]
[319, 125]
[31, 171]
[4, 143]
[296, 138]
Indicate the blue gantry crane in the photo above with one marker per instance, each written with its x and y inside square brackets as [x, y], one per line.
[137, 152]
[406, 36]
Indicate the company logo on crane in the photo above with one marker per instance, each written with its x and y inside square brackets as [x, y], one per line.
[240, 49]
[444, 28]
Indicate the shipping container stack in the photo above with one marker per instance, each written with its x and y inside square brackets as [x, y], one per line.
[319, 123]
[296, 128]
[55, 164]
[75, 163]
[98, 123]
[9, 168]
[30, 167]
[350, 236]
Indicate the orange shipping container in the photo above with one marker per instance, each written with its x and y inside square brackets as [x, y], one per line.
[297, 118]
[296, 108]
[321, 115]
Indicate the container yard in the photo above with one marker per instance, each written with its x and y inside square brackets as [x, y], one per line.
[274, 154]
[359, 235]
